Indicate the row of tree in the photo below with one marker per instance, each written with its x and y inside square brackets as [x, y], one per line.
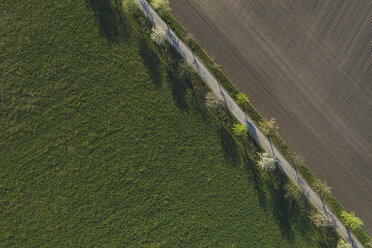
[266, 161]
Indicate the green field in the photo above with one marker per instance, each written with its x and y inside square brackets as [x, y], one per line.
[102, 146]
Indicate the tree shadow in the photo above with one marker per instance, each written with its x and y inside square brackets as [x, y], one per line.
[329, 237]
[179, 87]
[229, 148]
[110, 20]
[199, 105]
[252, 145]
[282, 210]
[287, 212]
[152, 62]
[179, 90]
[256, 177]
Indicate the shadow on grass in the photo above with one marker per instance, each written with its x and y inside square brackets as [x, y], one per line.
[231, 155]
[151, 61]
[329, 237]
[179, 79]
[110, 20]
[290, 214]
[257, 181]
[179, 88]
[229, 148]
[282, 210]
[253, 146]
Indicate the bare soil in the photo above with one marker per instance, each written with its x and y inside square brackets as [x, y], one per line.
[309, 65]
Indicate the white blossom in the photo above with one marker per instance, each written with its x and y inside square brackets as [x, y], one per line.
[320, 220]
[158, 35]
[267, 161]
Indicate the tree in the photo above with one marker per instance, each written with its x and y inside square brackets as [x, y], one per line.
[321, 188]
[292, 192]
[183, 70]
[297, 161]
[342, 244]
[188, 38]
[268, 127]
[267, 161]
[130, 6]
[350, 220]
[320, 220]
[158, 35]
[213, 100]
[240, 130]
[161, 6]
[242, 100]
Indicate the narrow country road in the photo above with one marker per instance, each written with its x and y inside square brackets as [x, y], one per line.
[243, 118]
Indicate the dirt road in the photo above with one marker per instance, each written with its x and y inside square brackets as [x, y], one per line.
[309, 64]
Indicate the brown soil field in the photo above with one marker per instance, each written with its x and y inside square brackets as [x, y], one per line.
[309, 65]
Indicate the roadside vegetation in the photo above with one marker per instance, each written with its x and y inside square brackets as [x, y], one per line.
[107, 140]
[268, 127]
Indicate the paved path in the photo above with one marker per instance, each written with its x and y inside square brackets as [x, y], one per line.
[243, 118]
[308, 63]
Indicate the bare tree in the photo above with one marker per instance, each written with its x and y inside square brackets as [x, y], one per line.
[268, 127]
[322, 188]
[298, 161]
[183, 70]
[213, 100]
[293, 192]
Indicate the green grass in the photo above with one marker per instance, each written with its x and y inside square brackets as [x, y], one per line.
[102, 146]
[282, 146]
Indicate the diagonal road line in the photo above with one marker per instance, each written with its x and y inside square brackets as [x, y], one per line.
[240, 115]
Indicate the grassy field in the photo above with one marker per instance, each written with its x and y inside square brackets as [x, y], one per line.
[101, 145]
